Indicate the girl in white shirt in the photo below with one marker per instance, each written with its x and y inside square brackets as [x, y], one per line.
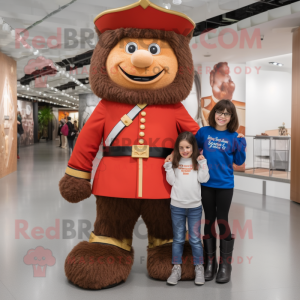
[185, 174]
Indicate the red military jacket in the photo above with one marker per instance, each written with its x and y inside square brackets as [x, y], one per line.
[123, 176]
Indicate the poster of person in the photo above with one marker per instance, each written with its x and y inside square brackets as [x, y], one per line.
[223, 80]
[26, 110]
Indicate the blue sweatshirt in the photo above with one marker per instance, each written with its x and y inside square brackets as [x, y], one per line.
[221, 149]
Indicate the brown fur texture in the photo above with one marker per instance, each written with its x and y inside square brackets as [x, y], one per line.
[116, 217]
[175, 92]
[159, 262]
[157, 217]
[74, 189]
[96, 266]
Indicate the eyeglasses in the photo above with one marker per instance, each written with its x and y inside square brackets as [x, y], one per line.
[226, 115]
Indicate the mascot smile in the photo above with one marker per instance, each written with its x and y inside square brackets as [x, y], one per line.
[142, 69]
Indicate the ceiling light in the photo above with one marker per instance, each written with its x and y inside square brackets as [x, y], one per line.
[6, 27]
[167, 5]
[177, 2]
[276, 64]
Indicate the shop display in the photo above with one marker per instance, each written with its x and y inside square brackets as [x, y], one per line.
[26, 110]
[87, 104]
[64, 114]
[129, 181]
[272, 153]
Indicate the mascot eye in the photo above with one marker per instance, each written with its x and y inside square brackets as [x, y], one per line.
[131, 47]
[154, 49]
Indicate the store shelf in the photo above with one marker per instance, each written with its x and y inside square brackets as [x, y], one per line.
[271, 153]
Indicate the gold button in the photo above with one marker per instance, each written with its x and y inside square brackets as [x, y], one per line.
[143, 120]
[143, 113]
[141, 141]
[142, 133]
[142, 126]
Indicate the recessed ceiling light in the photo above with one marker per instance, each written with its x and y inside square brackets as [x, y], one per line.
[275, 63]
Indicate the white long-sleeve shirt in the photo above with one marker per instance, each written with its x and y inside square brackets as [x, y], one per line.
[185, 182]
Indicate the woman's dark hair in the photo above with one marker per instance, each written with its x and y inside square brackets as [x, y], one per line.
[189, 137]
[233, 125]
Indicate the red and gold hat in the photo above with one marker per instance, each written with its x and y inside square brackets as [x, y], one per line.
[144, 15]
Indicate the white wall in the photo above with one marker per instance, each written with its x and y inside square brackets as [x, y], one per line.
[268, 101]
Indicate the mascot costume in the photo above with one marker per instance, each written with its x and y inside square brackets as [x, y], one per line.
[142, 69]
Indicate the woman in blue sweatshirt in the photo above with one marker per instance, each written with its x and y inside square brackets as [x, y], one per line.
[222, 146]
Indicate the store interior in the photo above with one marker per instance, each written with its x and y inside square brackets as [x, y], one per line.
[254, 40]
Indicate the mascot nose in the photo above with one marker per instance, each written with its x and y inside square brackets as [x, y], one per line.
[142, 59]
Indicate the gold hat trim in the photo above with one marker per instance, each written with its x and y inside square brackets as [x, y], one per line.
[144, 4]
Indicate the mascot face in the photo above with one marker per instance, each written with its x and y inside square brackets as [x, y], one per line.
[142, 63]
[137, 66]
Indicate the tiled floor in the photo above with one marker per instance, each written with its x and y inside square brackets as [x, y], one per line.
[30, 197]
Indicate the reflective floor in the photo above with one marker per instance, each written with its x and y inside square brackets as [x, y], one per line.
[266, 255]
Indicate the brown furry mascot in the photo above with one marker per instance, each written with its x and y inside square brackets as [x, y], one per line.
[142, 69]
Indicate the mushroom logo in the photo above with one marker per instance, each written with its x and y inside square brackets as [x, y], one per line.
[39, 258]
[40, 68]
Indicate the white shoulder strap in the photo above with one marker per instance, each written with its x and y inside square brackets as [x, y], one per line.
[120, 125]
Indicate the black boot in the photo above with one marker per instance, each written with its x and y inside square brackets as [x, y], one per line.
[211, 265]
[226, 249]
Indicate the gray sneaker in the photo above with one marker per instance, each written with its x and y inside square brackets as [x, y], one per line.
[175, 276]
[199, 275]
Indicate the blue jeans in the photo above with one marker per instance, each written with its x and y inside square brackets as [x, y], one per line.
[179, 216]
[71, 145]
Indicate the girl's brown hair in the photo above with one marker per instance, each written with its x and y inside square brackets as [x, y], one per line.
[233, 125]
[189, 137]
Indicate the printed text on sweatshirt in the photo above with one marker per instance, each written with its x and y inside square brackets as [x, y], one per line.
[185, 182]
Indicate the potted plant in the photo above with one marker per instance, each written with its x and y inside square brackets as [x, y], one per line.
[282, 130]
[45, 115]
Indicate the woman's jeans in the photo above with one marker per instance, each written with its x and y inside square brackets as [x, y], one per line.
[71, 145]
[179, 216]
[18, 143]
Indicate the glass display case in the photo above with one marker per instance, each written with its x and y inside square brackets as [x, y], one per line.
[272, 153]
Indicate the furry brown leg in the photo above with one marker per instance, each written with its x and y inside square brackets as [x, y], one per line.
[95, 265]
[157, 216]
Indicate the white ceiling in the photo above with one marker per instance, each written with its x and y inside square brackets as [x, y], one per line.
[277, 40]
[80, 14]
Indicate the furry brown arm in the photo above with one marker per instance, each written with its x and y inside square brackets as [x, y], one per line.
[74, 189]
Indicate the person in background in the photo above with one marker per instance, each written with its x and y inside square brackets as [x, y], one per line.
[71, 135]
[19, 122]
[76, 128]
[60, 125]
[63, 138]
